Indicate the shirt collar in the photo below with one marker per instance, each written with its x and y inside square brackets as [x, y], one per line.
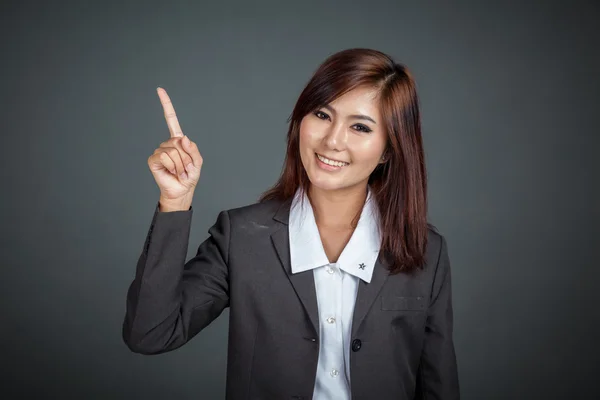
[306, 249]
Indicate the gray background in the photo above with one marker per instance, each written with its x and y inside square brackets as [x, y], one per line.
[509, 95]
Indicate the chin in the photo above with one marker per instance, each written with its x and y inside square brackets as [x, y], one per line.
[328, 186]
[327, 183]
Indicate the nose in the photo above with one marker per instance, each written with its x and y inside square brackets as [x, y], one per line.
[337, 137]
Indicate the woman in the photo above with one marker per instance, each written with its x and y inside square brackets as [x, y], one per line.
[337, 286]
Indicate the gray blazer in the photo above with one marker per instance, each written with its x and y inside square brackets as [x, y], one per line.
[402, 346]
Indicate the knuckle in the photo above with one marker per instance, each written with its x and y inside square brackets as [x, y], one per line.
[164, 156]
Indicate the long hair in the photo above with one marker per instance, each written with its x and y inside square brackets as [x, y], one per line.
[399, 185]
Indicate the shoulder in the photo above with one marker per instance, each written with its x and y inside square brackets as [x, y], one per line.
[436, 242]
[260, 212]
[433, 234]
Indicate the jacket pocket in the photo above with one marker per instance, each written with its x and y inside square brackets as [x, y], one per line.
[399, 303]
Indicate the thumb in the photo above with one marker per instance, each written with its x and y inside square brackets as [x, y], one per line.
[194, 166]
[190, 168]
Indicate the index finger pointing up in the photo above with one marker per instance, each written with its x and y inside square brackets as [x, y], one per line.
[170, 115]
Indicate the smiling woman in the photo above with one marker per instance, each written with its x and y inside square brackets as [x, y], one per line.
[357, 124]
[338, 288]
[337, 142]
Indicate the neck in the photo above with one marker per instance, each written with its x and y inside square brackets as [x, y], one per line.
[337, 209]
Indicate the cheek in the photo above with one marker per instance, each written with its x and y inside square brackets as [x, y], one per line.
[303, 137]
[309, 133]
[368, 151]
[305, 143]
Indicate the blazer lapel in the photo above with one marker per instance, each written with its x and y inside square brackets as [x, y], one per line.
[303, 282]
[367, 293]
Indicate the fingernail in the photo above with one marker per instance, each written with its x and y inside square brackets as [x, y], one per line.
[183, 175]
[189, 167]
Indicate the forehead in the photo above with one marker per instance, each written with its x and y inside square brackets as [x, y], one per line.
[363, 100]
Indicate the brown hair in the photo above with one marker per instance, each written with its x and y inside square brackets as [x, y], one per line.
[399, 185]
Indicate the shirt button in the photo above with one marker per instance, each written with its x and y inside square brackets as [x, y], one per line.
[329, 269]
[334, 373]
[331, 320]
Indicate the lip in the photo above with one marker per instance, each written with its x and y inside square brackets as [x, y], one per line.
[327, 167]
[332, 159]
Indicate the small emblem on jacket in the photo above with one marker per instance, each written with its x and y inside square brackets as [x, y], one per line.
[361, 266]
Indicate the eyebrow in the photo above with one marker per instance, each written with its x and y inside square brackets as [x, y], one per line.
[356, 116]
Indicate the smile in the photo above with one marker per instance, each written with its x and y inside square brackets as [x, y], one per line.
[333, 163]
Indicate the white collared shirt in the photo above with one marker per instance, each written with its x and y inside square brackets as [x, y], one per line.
[336, 286]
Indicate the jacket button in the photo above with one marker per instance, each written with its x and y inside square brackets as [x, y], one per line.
[356, 345]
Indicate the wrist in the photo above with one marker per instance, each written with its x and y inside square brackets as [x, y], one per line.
[170, 205]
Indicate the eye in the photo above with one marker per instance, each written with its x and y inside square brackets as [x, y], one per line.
[362, 128]
[321, 115]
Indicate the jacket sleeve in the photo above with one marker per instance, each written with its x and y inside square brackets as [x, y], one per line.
[437, 378]
[169, 300]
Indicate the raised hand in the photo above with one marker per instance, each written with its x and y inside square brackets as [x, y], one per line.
[176, 163]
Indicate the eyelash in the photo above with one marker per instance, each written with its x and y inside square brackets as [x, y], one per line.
[365, 129]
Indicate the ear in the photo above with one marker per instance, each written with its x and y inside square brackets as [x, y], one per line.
[383, 158]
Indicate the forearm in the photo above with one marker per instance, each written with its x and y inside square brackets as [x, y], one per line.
[154, 296]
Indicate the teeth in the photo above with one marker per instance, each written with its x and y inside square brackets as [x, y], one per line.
[331, 162]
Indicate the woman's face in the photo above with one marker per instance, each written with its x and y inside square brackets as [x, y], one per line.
[342, 143]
